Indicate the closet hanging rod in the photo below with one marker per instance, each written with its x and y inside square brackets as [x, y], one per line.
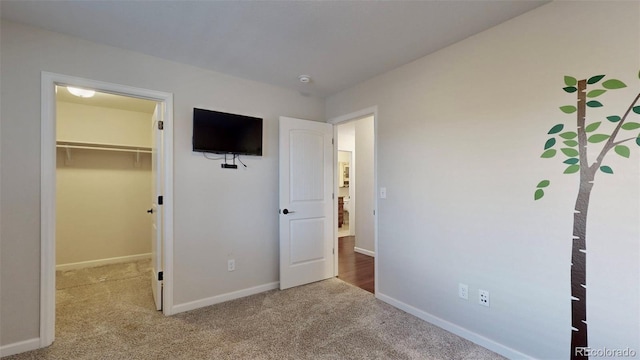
[122, 148]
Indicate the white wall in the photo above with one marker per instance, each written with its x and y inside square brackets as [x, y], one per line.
[347, 142]
[346, 136]
[460, 133]
[102, 196]
[363, 177]
[212, 205]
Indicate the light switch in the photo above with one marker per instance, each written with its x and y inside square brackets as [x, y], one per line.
[383, 193]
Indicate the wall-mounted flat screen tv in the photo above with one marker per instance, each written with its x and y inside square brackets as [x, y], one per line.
[223, 133]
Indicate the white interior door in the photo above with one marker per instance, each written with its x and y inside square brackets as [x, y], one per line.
[156, 204]
[306, 204]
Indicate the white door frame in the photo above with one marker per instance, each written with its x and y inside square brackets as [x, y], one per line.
[48, 190]
[370, 111]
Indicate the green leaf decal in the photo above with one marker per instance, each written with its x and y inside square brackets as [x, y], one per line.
[606, 169]
[568, 109]
[614, 118]
[592, 127]
[570, 152]
[571, 143]
[543, 183]
[630, 126]
[570, 89]
[549, 153]
[622, 151]
[572, 169]
[638, 140]
[613, 84]
[597, 138]
[571, 161]
[549, 143]
[570, 81]
[594, 79]
[636, 109]
[594, 103]
[556, 129]
[568, 135]
[538, 194]
[596, 93]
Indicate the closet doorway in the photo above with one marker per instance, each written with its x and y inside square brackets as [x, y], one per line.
[106, 190]
[103, 179]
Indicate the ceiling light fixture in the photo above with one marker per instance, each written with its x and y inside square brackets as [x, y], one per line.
[83, 93]
[304, 79]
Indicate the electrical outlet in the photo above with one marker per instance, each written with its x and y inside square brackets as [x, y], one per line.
[483, 297]
[231, 265]
[463, 291]
[383, 193]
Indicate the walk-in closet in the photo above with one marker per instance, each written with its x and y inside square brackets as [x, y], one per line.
[103, 179]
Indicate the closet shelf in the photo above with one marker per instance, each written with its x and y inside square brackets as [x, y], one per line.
[104, 147]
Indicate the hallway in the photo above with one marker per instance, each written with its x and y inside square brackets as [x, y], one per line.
[355, 268]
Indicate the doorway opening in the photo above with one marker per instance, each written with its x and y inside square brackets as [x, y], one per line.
[90, 149]
[346, 188]
[356, 203]
[103, 179]
[103, 189]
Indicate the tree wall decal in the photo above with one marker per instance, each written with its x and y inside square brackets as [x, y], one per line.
[575, 144]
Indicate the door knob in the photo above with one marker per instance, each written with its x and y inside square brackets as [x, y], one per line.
[286, 211]
[150, 211]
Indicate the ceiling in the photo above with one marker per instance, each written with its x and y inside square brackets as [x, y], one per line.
[338, 43]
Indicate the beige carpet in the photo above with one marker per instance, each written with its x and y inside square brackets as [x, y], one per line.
[108, 313]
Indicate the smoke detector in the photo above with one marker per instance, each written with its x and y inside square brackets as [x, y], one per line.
[304, 79]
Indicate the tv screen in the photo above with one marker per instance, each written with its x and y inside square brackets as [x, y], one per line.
[224, 133]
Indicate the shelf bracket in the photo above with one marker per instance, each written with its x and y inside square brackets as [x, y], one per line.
[136, 162]
[67, 158]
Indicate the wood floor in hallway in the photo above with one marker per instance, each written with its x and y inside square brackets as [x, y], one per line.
[353, 267]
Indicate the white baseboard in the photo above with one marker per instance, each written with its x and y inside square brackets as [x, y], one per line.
[224, 297]
[364, 251]
[19, 347]
[456, 329]
[100, 262]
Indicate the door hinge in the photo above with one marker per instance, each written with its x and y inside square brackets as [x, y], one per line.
[333, 195]
[332, 141]
[374, 213]
[160, 276]
[333, 251]
[160, 125]
[160, 199]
